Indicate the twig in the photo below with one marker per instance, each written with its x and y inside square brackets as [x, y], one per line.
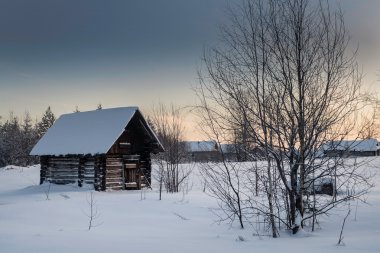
[340, 241]
[180, 216]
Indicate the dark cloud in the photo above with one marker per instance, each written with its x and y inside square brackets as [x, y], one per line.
[121, 45]
[39, 27]
[83, 44]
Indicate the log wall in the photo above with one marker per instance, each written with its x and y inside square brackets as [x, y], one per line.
[104, 172]
[67, 170]
[62, 170]
[86, 170]
[122, 172]
[146, 168]
[114, 176]
[99, 173]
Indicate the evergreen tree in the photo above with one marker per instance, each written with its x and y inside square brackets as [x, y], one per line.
[47, 121]
[2, 163]
[28, 140]
[11, 143]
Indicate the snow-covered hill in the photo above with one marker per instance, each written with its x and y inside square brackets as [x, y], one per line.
[33, 220]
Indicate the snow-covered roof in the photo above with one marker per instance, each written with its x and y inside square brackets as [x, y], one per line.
[355, 145]
[92, 132]
[200, 146]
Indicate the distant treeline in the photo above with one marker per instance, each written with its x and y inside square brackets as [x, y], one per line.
[17, 138]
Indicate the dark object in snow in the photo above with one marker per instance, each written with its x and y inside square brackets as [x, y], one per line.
[323, 185]
[295, 229]
[108, 148]
[325, 188]
[240, 238]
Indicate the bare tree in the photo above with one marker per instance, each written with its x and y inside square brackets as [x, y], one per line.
[168, 124]
[224, 184]
[284, 70]
[222, 179]
[93, 213]
[47, 191]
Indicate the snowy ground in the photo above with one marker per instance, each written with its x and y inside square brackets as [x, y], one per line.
[130, 221]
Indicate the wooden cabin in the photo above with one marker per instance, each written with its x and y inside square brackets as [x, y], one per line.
[107, 148]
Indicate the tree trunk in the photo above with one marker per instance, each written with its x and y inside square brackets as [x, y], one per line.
[270, 200]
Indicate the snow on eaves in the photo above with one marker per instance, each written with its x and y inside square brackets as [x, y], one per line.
[92, 132]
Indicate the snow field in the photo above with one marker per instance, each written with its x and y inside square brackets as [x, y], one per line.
[134, 221]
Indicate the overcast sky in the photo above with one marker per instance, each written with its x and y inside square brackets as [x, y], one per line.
[125, 52]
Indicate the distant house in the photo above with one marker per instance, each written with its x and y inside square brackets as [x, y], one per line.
[230, 152]
[210, 151]
[108, 148]
[202, 151]
[368, 147]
